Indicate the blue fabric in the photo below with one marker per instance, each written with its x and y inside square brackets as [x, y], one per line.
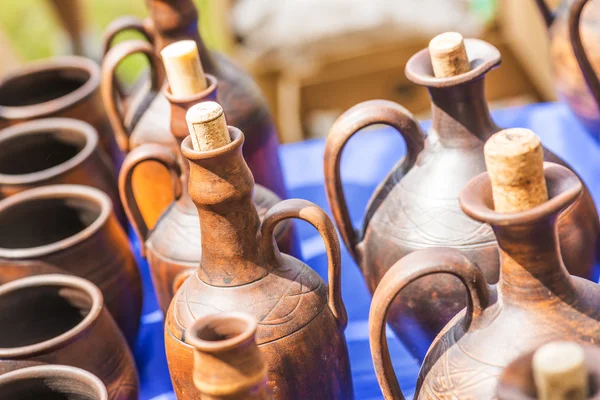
[367, 159]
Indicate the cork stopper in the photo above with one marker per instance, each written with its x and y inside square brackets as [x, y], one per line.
[559, 372]
[207, 126]
[184, 70]
[448, 55]
[515, 163]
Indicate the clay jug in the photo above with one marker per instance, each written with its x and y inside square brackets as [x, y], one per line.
[228, 364]
[74, 228]
[52, 382]
[58, 87]
[575, 54]
[300, 319]
[53, 151]
[535, 300]
[416, 206]
[13, 270]
[144, 119]
[61, 319]
[171, 247]
[517, 380]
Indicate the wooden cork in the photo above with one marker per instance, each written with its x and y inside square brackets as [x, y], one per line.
[559, 372]
[184, 70]
[207, 126]
[448, 55]
[515, 163]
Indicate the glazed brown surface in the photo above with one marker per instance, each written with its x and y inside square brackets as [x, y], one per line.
[416, 206]
[300, 319]
[61, 319]
[535, 300]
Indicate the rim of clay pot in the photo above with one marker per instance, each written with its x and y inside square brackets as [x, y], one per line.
[211, 87]
[54, 280]
[53, 192]
[221, 332]
[483, 57]
[49, 126]
[56, 372]
[57, 65]
[237, 139]
[563, 188]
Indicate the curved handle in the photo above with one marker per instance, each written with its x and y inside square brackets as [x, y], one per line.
[546, 12]
[358, 117]
[111, 96]
[410, 268]
[126, 23]
[589, 74]
[314, 215]
[139, 155]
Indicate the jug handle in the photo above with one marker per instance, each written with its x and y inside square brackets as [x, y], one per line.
[314, 215]
[112, 97]
[126, 23]
[408, 269]
[589, 74]
[139, 155]
[356, 118]
[546, 12]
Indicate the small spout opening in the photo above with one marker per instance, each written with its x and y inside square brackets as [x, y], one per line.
[221, 332]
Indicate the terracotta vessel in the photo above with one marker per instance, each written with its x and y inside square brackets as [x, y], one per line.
[575, 54]
[171, 247]
[300, 319]
[535, 300]
[52, 382]
[228, 364]
[144, 115]
[58, 87]
[60, 319]
[416, 206]
[517, 382]
[12, 270]
[73, 227]
[55, 151]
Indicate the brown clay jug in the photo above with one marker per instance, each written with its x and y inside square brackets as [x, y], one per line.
[144, 119]
[12, 270]
[517, 381]
[74, 228]
[53, 151]
[61, 319]
[51, 382]
[300, 319]
[535, 300]
[58, 87]
[228, 364]
[171, 247]
[575, 54]
[416, 206]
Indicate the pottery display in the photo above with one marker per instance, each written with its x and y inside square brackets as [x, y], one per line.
[575, 55]
[228, 364]
[171, 247]
[300, 319]
[52, 382]
[74, 228]
[535, 300]
[61, 319]
[58, 87]
[53, 151]
[416, 206]
[142, 117]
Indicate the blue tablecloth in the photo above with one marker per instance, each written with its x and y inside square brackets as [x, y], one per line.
[367, 159]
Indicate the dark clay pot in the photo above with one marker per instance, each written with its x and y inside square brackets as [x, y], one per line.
[145, 115]
[53, 151]
[301, 320]
[58, 87]
[52, 382]
[12, 270]
[516, 382]
[416, 206]
[60, 319]
[575, 53]
[535, 300]
[73, 227]
[172, 246]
